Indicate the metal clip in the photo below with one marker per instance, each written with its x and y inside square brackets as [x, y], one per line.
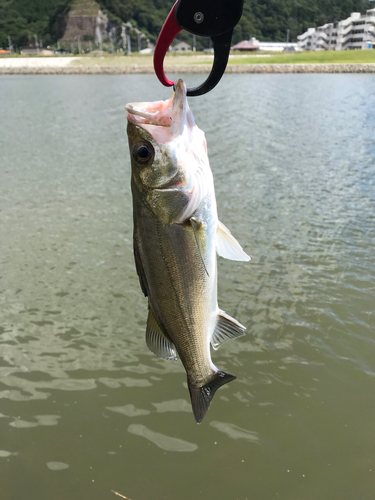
[213, 18]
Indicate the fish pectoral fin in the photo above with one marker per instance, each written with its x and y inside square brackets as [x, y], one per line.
[227, 328]
[196, 225]
[139, 269]
[227, 246]
[201, 397]
[156, 339]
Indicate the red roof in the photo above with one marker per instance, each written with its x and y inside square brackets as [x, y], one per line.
[245, 45]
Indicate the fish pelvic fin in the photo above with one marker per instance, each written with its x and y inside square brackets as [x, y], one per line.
[157, 341]
[227, 246]
[227, 328]
[201, 397]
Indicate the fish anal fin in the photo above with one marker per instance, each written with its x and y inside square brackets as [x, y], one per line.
[227, 328]
[227, 246]
[201, 397]
[157, 341]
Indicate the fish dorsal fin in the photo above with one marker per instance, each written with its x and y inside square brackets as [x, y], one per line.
[227, 246]
[157, 341]
[226, 328]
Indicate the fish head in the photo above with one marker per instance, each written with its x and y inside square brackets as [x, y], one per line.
[169, 159]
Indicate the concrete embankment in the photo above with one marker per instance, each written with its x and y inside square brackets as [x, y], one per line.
[204, 68]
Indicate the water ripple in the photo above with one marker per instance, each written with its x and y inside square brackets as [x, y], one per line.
[128, 410]
[235, 432]
[164, 442]
[293, 164]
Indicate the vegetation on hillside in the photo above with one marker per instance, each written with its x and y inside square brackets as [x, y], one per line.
[265, 19]
[21, 20]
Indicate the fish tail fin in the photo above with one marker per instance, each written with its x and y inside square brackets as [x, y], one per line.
[201, 397]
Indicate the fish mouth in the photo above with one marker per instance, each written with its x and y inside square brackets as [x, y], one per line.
[160, 113]
[140, 113]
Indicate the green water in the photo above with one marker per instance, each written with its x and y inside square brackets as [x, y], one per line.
[85, 408]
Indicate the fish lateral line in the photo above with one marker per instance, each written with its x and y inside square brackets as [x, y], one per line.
[196, 224]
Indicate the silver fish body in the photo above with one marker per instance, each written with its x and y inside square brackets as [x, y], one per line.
[176, 237]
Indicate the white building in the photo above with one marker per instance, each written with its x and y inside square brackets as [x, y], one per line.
[277, 46]
[182, 47]
[267, 46]
[355, 32]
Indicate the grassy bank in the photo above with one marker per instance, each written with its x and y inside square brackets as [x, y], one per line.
[323, 57]
[200, 58]
[358, 61]
[141, 59]
[331, 57]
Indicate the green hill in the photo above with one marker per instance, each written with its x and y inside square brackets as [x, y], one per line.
[264, 19]
[22, 19]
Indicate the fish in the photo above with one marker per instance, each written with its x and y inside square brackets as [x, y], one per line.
[176, 237]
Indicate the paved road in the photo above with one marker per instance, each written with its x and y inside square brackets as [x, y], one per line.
[36, 62]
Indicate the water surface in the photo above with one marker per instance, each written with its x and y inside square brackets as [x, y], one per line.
[85, 408]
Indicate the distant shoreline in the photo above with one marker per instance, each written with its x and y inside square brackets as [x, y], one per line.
[204, 68]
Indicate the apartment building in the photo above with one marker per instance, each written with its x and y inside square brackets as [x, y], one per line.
[355, 32]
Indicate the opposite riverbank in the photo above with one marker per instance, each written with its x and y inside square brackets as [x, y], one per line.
[119, 70]
[358, 61]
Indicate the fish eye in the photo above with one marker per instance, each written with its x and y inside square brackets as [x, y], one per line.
[143, 152]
